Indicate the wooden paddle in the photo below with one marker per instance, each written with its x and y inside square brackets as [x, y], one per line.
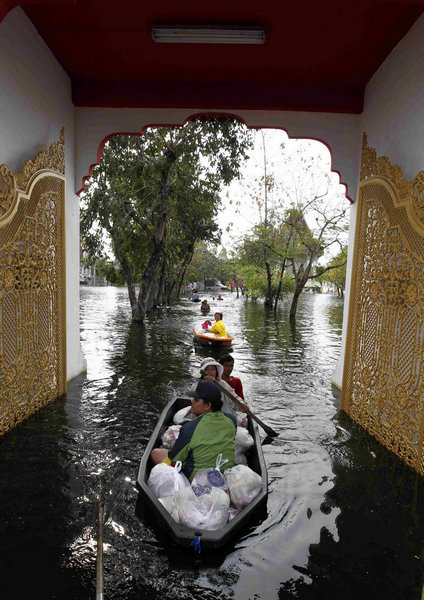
[236, 401]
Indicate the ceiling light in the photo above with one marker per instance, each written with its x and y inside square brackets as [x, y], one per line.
[208, 35]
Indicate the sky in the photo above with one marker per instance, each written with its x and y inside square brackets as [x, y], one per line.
[297, 169]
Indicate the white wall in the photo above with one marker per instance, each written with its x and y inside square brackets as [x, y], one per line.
[340, 132]
[393, 119]
[35, 103]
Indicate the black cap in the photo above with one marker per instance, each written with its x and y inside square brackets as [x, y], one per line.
[206, 390]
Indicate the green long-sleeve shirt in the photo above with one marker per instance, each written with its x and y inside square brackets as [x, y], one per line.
[201, 440]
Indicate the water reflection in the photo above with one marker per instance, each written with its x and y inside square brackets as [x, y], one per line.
[344, 517]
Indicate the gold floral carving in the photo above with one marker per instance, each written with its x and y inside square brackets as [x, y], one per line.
[383, 382]
[53, 160]
[408, 193]
[32, 286]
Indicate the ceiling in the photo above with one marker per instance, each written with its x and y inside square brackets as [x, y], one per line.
[318, 54]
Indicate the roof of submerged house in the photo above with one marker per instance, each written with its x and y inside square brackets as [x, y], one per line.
[318, 55]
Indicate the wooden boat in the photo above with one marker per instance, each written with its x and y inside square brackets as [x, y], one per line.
[185, 535]
[213, 342]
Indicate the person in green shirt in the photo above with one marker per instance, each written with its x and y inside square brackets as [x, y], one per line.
[201, 440]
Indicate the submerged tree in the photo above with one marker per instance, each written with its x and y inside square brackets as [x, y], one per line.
[303, 215]
[155, 196]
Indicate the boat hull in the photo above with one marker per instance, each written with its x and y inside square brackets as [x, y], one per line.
[185, 535]
[208, 342]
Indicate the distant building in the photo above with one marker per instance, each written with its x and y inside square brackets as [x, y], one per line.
[87, 273]
[214, 285]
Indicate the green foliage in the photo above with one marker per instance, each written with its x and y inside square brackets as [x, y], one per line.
[255, 279]
[154, 196]
[336, 272]
[303, 214]
[110, 270]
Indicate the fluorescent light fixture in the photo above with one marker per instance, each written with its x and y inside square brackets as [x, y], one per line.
[208, 35]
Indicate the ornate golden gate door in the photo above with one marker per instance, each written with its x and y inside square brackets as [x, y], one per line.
[383, 382]
[32, 286]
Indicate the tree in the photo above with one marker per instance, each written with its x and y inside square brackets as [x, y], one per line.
[303, 214]
[155, 196]
[336, 271]
[329, 230]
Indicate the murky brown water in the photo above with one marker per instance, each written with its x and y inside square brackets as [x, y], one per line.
[340, 523]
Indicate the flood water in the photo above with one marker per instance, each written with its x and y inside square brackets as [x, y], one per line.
[344, 519]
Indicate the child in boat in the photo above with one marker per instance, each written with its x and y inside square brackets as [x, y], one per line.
[218, 328]
[227, 363]
[210, 369]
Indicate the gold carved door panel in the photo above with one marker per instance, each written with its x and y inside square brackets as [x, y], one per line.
[383, 382]
[32, 286]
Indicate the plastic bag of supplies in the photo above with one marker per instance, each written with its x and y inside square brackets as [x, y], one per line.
[212, 477]
[170, 435]
[244, 485]
[241, 419]
[243, 440]
[210, 511]
[165, 480]
[183, 415]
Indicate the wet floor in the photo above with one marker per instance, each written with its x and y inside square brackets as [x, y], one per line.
[344, 518]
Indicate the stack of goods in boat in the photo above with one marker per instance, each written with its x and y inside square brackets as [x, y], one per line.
[218, 501]
[214, 497]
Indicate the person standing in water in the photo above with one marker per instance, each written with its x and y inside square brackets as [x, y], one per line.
[204, 307]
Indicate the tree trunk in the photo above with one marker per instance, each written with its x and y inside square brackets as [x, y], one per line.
[268, 300]
[299, 288]
[148, 281]
[149, 277]
[280, 284]
[160, 291]
[126, 270]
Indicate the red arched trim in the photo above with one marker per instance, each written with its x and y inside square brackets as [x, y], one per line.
[206, 116]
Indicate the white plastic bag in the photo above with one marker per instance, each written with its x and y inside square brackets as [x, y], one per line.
[213, 498]
[243, 440]
[210, 511]
[212, 477]
[172, 503]
[240, 458]
[244, 485]
[165, 480]
[184, 414]
[241, 419]
[169, 503]
[170, 436]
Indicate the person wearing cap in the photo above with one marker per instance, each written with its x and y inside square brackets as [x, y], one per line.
[218, 328]
[201, 440]
[210, 369]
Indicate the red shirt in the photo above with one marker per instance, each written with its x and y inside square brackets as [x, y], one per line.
[237, 386]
